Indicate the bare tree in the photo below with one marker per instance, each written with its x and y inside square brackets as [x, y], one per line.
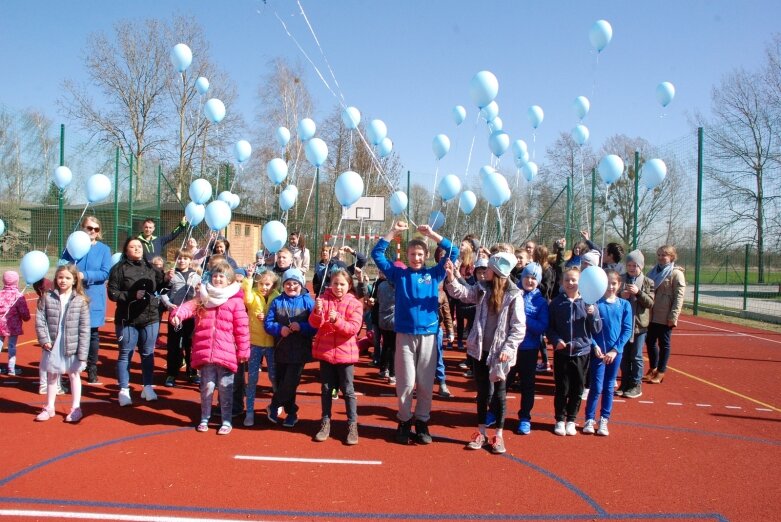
[27, 155]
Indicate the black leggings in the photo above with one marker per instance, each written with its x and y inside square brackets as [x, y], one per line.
[498, 399]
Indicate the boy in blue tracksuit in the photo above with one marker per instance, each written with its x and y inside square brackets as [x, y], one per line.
[608, 346]
[572, 325]
[536, 308]
[416, 325]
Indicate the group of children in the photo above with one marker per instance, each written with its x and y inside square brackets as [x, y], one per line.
[223, 323]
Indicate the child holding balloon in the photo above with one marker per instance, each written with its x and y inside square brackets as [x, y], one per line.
[13, 311]
[572, 324]
[608, 346]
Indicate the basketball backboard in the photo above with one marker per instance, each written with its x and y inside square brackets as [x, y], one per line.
[367, 208]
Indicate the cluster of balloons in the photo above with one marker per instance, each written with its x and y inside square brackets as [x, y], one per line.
[217, 213]
[182, 58]
[98, 186]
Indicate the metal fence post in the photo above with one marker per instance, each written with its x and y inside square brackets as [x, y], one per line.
[698, 239]
[116, 200]
[745, 280]
[409, 207]
[159, 188]
[60, 194]
[593, 199]
[636, 202]
[317, 208]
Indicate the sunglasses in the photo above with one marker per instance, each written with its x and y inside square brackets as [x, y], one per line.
[91, 229]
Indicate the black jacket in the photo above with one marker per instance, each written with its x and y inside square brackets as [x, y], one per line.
[124, 280]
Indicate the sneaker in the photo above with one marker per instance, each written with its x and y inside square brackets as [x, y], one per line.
[444, 391]
[75, 415]
[540, 368]
[195, 379]
[634, 392]
[124, 397]
[589, 428]
[170, 381]
[272, 415]
[603, 427]
[463, 365]
[559, 428]
[469, 374]
[524, 428]
[42, 389]
[14, 371]
[383, 374]
[352, 433]
[619, 391]
[497, 445]
[334, 393]
[325, 430]
[148, 394]
[249, 419]
[45, 415]
[584, 395]
[403, 432]
[392, 380]
[490, 419]
[571, 429]
[92, 375]
[421, 432]
[477, 442]
[202, 427]
[290, 420]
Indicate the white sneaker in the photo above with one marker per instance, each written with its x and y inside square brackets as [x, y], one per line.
[571, 429]
[249, 419]
[584, 395]
[148, 393]
[603, 428]
[124, 397]
[588, 429]
[559, 429]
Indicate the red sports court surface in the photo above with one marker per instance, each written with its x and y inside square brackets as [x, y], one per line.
[704, 445]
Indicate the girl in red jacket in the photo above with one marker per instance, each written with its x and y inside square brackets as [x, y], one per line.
[220, 340]
[338, 317]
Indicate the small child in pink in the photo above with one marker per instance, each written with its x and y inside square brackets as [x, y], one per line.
[13, 311]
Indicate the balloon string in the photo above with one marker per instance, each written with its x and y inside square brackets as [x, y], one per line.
[314, 36]
[483, 234]
[472, 146]
[499, 225]
[328, 264]
[583, 183]
[604, 222]
[434, 192]
[515, 202]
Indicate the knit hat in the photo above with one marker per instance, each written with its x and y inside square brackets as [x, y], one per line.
[10, 278]
[241, 272]
[532, 270]
[502, 263]
[294, 274]
[636, 256]
[260, 253]
[591, 257]
[481, 262]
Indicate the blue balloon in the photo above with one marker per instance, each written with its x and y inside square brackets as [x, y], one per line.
[665, 92]
[536, 115]
[194, 213]
[610, 168]
[202, 85]
[459, 114]
[529, 171]
[276, 171]
[181, 57]
[242, 151]
[349, 188]
[485, 170]
[519, 147]
[218, 215]
[580, 134]
[581, 106]
[62, 177]
[78, 244]
[306, 129]
[283, 136]
[200, 191]
[499, 142]
[34, 266]
[287, 198]
[376, 131]
[467, 202]
[385, 147]
[274, 236]
[398, 202]
[495, 189]
[116, 258]
[592, 284]
[351, 117]
[449, 187]
[98, 188]
[436, 219]
[490, 111]
[214, 110]
[440, 146]
[316, 152]
[600, 35]
[495, 124]
[2, 227]
[483, 88]
[522, 159]
[653, 173]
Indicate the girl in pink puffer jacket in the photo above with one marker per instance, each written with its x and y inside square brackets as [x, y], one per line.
[220, 340]
[338, 317]
[13, 310]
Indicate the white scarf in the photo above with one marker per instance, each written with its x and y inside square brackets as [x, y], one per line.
[212, 297]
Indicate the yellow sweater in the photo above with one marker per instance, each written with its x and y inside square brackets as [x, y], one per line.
[256, 304]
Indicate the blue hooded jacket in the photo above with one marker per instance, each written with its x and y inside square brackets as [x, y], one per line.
[570, 323]
[536, 307]
[296, 348]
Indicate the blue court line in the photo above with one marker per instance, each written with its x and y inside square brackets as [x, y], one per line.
[376, 516]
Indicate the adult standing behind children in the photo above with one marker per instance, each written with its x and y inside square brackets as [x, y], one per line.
[417, 322]
[93, 268]
[154, 245]
[300, 253]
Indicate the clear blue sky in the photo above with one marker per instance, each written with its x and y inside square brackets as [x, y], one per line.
[409, 62]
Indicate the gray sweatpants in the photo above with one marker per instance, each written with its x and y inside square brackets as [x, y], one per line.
[416, 364]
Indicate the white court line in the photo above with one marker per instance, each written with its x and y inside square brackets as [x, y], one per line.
[709, 334]
[763, 409]
[704, 405]
[76, 515]
[675, 404]
[646, 402]
[734, 407]
[730, 331]
[311, 461]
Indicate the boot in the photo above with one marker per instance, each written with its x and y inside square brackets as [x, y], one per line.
[352, 433]
[403, 432]
[325, 430]
[658, 378]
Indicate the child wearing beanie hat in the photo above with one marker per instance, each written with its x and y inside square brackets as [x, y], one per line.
[639, 291]
[13, 311]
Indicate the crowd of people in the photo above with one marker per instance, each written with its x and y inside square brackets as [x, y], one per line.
[502, 305]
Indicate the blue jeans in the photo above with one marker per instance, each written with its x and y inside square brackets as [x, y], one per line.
[11, 344]
[130, 337]
[632, 362]
[440, 374]
[214, 375]
[602, 378]
[256, 355]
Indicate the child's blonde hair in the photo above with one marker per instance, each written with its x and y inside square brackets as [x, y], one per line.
[343, 273]
[223, 267]
[266, 274]
[668, 250]
[78, 288]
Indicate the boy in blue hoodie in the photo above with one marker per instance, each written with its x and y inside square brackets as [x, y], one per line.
[416, 324]
[572, 325]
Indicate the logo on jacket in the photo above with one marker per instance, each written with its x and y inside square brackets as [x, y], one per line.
[424, 279]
